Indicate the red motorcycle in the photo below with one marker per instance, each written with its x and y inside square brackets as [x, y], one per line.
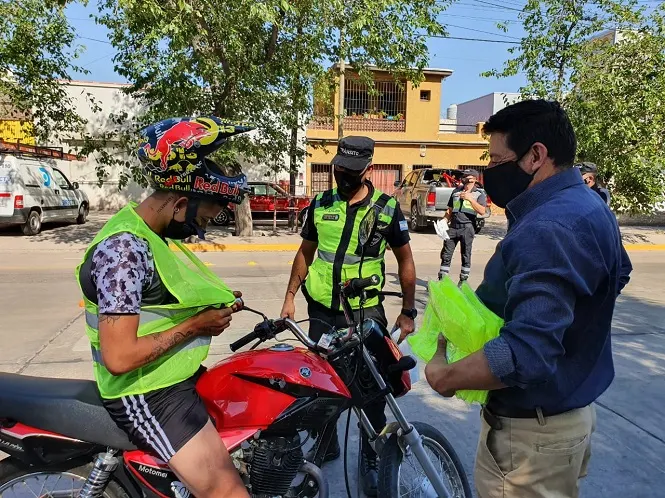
[266, 405]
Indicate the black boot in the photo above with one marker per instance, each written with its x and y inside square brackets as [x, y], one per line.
[369, 473]
[369, 469]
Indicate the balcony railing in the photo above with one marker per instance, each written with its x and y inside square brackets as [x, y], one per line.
[321, 123]
[361, 123]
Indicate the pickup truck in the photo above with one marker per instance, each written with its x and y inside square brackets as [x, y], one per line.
[264, 199]
[424, 193]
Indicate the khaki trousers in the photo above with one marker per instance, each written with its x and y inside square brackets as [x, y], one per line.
[532, 459]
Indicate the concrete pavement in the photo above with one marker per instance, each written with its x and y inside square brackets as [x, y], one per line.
[42, 334]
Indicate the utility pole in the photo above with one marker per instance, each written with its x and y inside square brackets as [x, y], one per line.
[340, 102]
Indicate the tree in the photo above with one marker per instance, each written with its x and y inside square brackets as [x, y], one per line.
[611, 99]
[37, 49]
[556, 33]
[617, 109]
[256, 62]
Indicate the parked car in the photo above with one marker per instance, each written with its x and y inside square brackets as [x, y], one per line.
[424, 193]
[264, 199]
[33, 192]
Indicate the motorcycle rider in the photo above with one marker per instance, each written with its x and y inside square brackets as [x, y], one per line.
[330, 231]
[465, 204]
[150, 315]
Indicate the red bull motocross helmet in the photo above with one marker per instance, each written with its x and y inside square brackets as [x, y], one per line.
[173, 157]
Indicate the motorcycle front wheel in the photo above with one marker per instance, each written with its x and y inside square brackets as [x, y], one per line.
[19, 481]
[401, 475]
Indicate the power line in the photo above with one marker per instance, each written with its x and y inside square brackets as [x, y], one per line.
[497, 5]
[481, 31]
[474, 39]
[95, 40]
[97, 60]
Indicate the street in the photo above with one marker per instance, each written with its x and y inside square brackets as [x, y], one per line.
[43, 335]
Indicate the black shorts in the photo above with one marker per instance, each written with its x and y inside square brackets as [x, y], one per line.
[161, 421]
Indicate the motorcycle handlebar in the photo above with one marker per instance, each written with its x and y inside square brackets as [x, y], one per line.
[356, 285]
[243, 341]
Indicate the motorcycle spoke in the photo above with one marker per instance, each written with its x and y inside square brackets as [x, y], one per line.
[29, 489]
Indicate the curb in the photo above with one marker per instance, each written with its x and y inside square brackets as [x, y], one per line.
[212, 247]
[644, 247]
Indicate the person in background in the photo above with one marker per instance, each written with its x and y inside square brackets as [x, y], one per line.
[465, 203]
[589, 173]
[554, 279]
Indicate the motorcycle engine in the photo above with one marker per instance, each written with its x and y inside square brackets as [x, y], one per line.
[270, 464]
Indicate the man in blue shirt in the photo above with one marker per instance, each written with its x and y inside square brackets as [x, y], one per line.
[554, 279]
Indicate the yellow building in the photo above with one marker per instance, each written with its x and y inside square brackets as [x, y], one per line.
[15, 126]
[404, 122]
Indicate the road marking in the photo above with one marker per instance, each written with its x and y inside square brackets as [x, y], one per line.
[644, 247]
[213, 247]
[252, 263]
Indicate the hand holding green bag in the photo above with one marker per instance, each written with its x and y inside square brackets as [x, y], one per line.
[464, 321]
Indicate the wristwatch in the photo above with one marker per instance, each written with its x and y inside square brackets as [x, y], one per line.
[411, 313]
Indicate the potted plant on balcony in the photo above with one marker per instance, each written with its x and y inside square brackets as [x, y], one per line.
[400, 117]
[382, 115]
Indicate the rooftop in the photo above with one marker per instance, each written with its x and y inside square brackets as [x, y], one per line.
[444, 73]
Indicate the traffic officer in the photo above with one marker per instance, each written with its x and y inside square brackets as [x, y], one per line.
[330, 233]
[465, 204]
[589, 173]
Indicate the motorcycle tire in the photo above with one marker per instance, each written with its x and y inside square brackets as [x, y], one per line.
[392, 457]
[12, 471]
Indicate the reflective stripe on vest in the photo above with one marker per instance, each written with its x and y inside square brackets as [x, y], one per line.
[460, 206]
[92, 319]
[349, 259]
[191, 344]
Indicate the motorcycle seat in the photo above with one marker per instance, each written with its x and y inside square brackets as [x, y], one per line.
[69, 407]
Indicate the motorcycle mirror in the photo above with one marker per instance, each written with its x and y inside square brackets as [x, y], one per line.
[367, 227]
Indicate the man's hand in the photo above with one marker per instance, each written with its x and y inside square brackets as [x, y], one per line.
[289, 307]
[464, 195]
[436, 369]
[238, 305]
[213, 322]
[406, 327]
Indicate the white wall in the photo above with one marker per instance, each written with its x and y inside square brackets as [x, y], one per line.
[113, 101]
[480, 109]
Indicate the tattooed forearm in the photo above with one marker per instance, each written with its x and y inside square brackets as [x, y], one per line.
[110, 319]
[164, 341]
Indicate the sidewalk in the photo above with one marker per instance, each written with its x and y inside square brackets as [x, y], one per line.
[221, 239]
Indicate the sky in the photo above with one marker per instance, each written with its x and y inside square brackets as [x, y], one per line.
[475, 19]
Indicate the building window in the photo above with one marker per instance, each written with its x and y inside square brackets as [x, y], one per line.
[321, 178]
[380, 109]
[384, 176]
[425, 95]
[421, 166]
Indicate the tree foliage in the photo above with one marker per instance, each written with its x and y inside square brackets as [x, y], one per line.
[37, 49]
[617, 107]
[612, 100]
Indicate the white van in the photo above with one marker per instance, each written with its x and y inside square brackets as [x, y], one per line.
[33, 192]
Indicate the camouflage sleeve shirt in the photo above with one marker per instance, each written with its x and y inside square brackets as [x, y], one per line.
[122, 267]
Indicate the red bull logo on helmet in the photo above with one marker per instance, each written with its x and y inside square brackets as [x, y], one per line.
[177, 139]
[201, 184]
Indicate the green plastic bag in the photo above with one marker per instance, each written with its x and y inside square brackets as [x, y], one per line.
[465, 322]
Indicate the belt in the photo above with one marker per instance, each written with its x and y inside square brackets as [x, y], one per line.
[492, 411]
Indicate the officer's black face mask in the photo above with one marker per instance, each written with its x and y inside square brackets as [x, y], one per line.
[348, 183]
[505, 181]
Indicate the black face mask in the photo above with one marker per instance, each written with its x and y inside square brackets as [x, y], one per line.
[505, 181]
[180, 230]
[348, 184]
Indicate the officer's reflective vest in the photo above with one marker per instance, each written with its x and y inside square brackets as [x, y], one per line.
[338, 257]
[194, 288]
[460, 206]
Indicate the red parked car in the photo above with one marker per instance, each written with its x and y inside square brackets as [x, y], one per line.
[264, 199]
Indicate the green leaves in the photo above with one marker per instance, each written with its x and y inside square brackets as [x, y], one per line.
[37, 48]
[613, 92]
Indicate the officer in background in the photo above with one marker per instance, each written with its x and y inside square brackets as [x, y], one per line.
[589, 173]
[330, 232]
[465, 203]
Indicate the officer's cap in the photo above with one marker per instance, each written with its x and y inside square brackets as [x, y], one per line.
[354, 153]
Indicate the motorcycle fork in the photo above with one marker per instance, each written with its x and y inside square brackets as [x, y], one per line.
[408, 435]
